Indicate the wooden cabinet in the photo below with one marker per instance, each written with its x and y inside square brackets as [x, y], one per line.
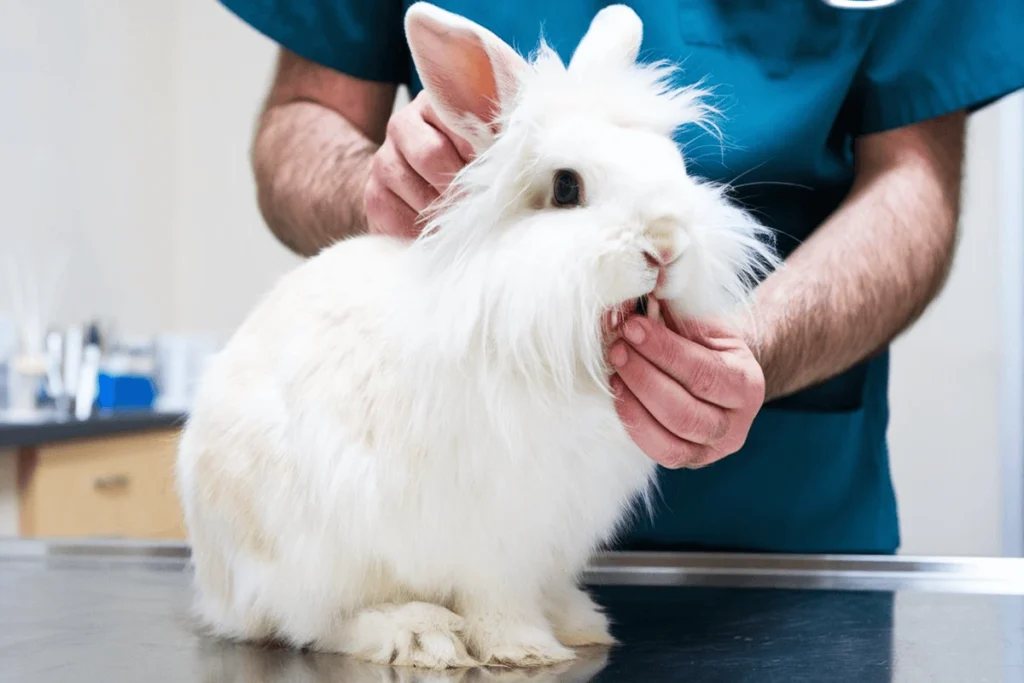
[114, 486]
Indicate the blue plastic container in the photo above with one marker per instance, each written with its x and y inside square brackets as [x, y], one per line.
[125, 392]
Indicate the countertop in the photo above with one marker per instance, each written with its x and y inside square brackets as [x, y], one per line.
[118, 611]
[50, 427]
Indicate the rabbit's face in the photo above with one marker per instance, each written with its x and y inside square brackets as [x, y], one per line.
[619, 201]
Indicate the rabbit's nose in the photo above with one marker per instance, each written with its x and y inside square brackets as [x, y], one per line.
[667, 239]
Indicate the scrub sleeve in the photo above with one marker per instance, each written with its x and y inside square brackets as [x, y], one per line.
[933, 57]
[362, 38]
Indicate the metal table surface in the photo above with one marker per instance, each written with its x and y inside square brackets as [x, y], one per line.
[118, 611]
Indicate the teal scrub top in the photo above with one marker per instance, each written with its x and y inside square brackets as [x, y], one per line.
[798, 81]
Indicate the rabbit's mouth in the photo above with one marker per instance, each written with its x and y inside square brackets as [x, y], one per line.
[614, 317]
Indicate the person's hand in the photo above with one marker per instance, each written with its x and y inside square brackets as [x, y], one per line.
[686, 393]
[418, 159]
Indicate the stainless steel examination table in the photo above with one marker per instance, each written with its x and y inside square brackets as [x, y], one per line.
[114, 612]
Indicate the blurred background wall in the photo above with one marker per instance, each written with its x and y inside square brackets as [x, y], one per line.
[125, 136]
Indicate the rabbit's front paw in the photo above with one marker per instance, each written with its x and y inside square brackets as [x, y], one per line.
[577, 620]
[414, 634]
[498, 642]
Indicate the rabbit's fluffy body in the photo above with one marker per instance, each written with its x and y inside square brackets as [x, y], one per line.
[408, 452]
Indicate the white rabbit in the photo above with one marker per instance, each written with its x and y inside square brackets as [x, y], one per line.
[409, 451]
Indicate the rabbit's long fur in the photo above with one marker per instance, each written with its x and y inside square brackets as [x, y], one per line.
[408, 451]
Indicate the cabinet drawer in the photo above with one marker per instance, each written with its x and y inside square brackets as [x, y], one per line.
[119, 486]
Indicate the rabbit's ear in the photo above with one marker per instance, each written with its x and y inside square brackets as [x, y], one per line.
[467, 71]
[613, 39]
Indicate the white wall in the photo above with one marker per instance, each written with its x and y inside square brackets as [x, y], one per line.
[86, 153]
[945, 382]
[225, 255]
[125, 138]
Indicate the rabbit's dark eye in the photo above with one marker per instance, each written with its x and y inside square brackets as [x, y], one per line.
[566, 188]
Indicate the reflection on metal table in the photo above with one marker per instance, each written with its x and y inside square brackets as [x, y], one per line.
[118, 611]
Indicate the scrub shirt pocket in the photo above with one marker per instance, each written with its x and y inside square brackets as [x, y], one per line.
[779, 35]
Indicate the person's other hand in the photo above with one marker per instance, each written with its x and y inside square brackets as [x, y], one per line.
[686, 393]
[418, 159]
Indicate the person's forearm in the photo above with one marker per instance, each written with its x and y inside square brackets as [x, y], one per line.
[870, 270]
[311, 167]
